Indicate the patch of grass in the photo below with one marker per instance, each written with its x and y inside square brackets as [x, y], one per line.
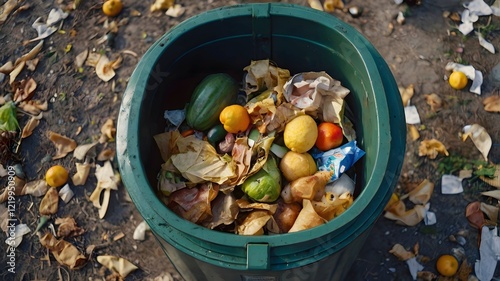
[455, 163]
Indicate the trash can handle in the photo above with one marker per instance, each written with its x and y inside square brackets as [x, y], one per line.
[258, 256]
[261, 30]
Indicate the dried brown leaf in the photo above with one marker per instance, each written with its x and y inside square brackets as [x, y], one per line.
[36, 188]
[104, 69]
[422, 194]
[50, 202]
[331, 5]
[82, 150]
[24, 90]
[108, 131]
[397, 212]
[8, 7]
[479, 137]
[81, 58]
[32, 64]
[474, 215]
[401, 253]
[161, 5]
[82, 173]
[31, 54]
[63, 144]
[29, 127]
[18, 188]
[68, 227]
[434, 101]
[64, 252]
[7, 67]
[106, 154]
[431, 148]
[492, 104]
[93, 59]
[16, 71]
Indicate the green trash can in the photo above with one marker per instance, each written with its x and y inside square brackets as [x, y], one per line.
[226, 40]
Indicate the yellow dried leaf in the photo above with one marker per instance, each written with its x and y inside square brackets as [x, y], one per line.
[31, 54]
[63, 144]
[18, 188]
[398, 213]
[31, 64]
[307, 218]
[118, 265]
[8, 7]
[479, 137]
[104, 69]
[7, 67]
[106, 154]
[422, 193]
[431, 148]
[93, 59]
[492, 104]
[106, 180]
[315, 4]
[434, 101]
[81, 58]
[50, 202]
[414, 134]
[82, 150]
[108, 131]
[64, 252]
[161, 5]
[15, 72]
[254, 223]
[401, 253]
[406, 94]
[82, 173]
[30, 126]
[331, 5]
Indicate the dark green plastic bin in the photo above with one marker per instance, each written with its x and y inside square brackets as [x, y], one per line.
[226, 40]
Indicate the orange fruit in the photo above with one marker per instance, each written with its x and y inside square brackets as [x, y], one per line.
[447, 265]
[458, 80]
[235, 118]
[112, 8]
[329, 136]
[56, 176]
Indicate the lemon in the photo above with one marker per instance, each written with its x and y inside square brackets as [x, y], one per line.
[301, 133]
[458, 80]
[56, 176]
[296, 165]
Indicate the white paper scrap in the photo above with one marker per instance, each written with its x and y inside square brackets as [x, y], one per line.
[430, 217]
[476, 83]
[451, 184]
[414, 267]
[411, 115]
[485, 44]
[19, 231]
[140, 231]
[478, 7]
[489, 250]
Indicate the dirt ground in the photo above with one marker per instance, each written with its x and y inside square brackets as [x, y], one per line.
[79, 103]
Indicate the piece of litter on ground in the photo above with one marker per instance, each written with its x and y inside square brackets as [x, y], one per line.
[480, 138]
[485, 44]
[175, 11]
[140, 231]
[478, 7]
[430, 217]
[66, 193]
[17, 235]
[411, 115]
[414, 267]
[489, 250]
[451, 184]
[470, 72]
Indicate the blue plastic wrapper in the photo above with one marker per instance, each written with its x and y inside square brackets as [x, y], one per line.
[338, 160]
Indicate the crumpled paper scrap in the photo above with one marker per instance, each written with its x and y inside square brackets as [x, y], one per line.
[46, 29]
[411, 115]
[475, 75]
[471, 14]
[451, 184]
[489, 250]
[409, 257]
[480, 138]
[318, 93]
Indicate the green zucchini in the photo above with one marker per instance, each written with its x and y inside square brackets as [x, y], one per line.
[210, 97]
